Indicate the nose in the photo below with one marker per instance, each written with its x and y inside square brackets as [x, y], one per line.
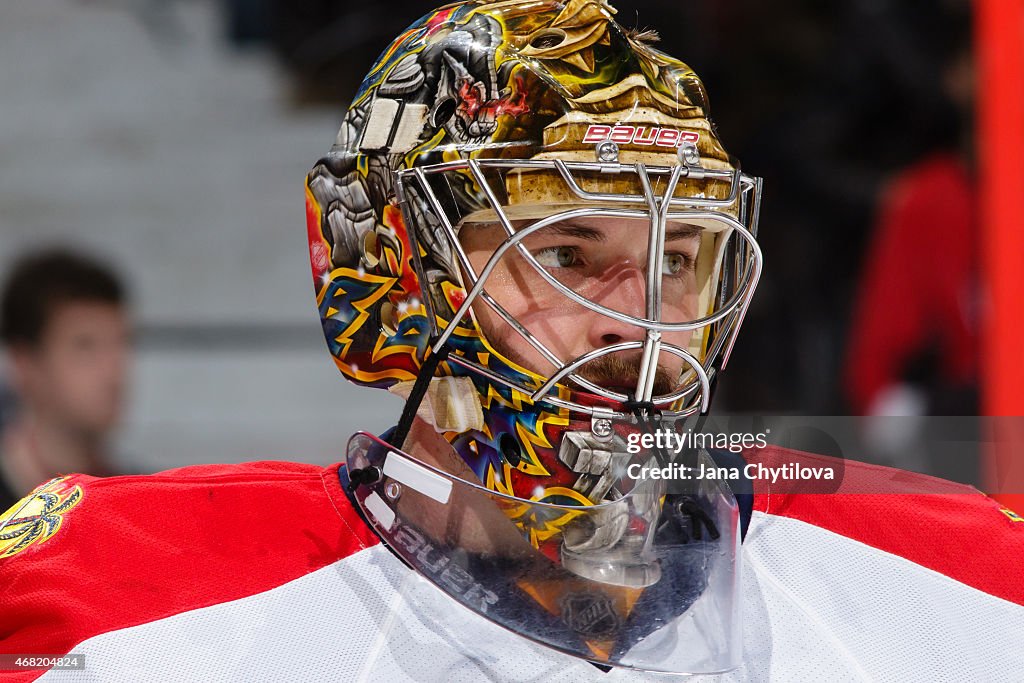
[622, 289]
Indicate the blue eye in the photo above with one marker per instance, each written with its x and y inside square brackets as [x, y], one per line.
[557, 257]
[674, 264]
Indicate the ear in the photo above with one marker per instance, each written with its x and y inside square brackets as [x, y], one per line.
[22, 364]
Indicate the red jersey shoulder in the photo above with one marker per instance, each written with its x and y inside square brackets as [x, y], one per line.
[85, 555]
[189, 506]
[951, 528]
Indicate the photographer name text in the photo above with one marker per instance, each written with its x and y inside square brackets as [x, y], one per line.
[754, 471]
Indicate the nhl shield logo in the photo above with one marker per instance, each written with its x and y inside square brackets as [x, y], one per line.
[590, 614]
[37, 517]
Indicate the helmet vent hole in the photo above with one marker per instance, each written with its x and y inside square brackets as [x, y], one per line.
[370, 257]
[547, 39]
[510, 450]
[443, 112]
[388, 319]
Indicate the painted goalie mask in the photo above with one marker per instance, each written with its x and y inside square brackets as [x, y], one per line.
[527, 210]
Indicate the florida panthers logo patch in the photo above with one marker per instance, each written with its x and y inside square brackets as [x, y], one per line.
[37, 517]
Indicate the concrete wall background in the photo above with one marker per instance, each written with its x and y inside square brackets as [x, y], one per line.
[131, 129]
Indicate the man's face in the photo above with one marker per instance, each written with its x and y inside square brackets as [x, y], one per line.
[76, 374]
[604, 260]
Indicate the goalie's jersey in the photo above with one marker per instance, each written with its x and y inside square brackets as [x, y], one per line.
[266, 572]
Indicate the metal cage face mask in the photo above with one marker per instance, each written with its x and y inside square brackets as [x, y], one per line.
[552, 273]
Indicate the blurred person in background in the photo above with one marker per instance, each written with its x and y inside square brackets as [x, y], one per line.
[65, 332]
[911, 349]
[912, 346]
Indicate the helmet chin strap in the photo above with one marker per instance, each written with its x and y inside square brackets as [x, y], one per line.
[647, 415]
[419, 390]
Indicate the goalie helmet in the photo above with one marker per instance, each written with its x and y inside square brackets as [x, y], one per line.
[528, 224]
[505, 114]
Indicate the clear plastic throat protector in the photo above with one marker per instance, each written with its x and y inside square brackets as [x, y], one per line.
[647, 581]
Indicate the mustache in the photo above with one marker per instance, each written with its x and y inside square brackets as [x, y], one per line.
[622, 372]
